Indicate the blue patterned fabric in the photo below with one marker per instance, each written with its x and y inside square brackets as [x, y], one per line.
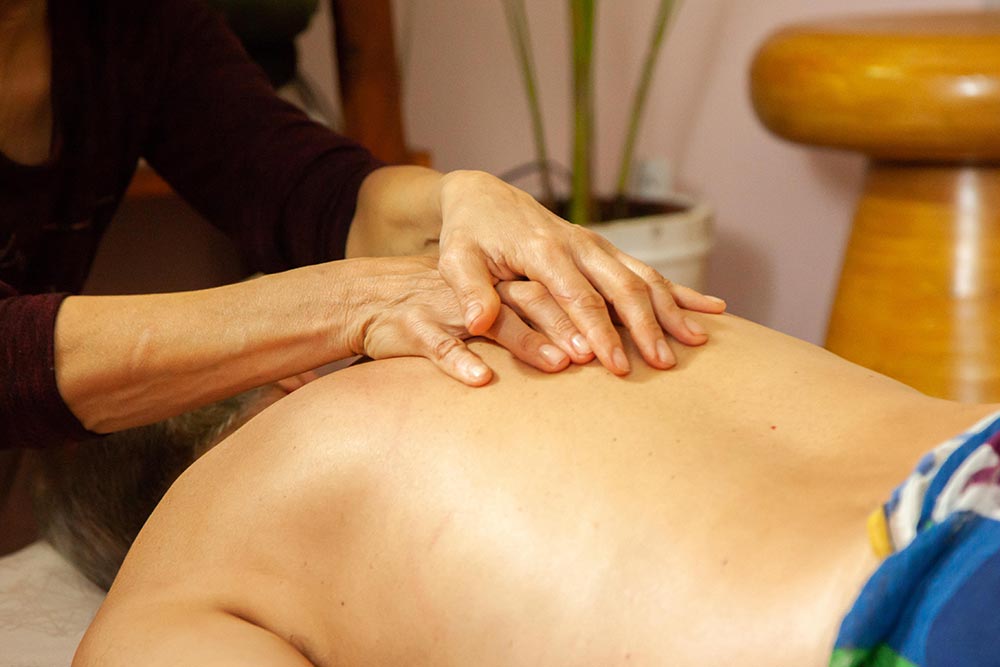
[935, 601]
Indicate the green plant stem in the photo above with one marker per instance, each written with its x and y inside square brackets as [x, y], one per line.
[517, 22]
[663, 15]
[582, 18]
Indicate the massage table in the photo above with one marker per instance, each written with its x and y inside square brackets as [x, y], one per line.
[45, 607]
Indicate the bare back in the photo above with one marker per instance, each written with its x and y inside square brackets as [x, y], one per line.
[711, 514]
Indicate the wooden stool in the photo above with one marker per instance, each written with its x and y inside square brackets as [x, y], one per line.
[919, 293]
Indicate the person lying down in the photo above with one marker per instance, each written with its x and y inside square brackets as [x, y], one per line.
[719, 514]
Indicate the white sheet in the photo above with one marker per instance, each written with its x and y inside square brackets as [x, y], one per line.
[45, 606]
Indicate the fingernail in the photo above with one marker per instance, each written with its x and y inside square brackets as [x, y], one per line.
[472, 314]
[694, 327]
[620, 360]
[715, 299]
[553, 354]
[663, 352]
[476, 372]
[580, 344]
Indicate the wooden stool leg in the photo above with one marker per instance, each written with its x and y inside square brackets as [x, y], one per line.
[919, 295]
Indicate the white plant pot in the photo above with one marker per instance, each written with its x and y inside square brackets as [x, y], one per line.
[675, 244]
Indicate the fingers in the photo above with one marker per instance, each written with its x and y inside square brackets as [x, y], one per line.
[685, 297]
[694, 300]
[452, 356]
[423, 318]
[467, 273]
[534, 304]
[670, 300]
[491, 231]
[409, 310]
[527, 344]
[587, 309]
[647, 310]
[668, 313]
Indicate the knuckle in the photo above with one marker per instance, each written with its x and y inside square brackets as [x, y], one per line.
[448, 262]
[583, 235]
[445, 347]
[454, 258]
[416, 321]
[526, 340]
[650, 327]
[542, 242]
[535, 296]
[563, 327]
[588, 301]
[666, 300]
[633, 287]
[649, 275]
[467, 293]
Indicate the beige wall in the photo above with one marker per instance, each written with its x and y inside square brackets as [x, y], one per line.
[783, 211]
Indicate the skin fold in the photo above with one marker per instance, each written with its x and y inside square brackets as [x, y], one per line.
[713, 515]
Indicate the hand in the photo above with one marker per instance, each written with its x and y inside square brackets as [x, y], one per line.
[406, 308]
[494, 232]
[535, 305]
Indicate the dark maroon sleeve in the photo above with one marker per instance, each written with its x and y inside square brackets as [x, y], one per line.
[282, 185]
[32, 413]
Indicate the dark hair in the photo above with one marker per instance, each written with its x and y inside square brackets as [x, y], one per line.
[92, 499]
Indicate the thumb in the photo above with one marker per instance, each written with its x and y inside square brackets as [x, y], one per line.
[468, 275]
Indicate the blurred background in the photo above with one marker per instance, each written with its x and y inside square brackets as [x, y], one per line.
[782, 212]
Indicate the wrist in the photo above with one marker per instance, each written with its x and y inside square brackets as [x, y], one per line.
[456, 185]
[355, 301]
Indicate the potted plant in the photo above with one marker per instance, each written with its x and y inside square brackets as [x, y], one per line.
[672, 235]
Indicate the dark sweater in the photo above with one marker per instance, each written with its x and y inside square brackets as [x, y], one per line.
[164, 80]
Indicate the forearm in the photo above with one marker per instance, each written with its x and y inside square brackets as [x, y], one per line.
[398, 213]
[131, 360]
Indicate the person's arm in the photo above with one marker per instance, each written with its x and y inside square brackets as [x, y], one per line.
[32, 413]
[283, 186]
[288, 189]
[123, 361]
[398, 213]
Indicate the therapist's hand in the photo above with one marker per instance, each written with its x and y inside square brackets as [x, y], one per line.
[494, 232]
[403, 307]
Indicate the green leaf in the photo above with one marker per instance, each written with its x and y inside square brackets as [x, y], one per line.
[582, 21]
[665, 11]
